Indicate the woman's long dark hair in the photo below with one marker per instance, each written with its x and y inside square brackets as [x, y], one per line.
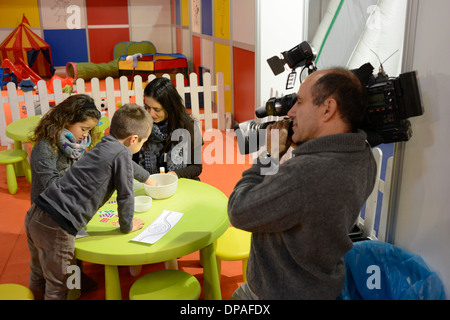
[165, 93]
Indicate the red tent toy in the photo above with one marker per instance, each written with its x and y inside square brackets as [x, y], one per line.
[24, 44]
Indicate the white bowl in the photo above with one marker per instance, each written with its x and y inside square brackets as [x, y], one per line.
[142, 203]
[137, 185]
[167, 186]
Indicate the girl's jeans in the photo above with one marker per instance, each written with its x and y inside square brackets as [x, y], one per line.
[52, 252]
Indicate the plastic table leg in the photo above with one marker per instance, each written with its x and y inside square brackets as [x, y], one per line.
[112, 283]
[211, 281]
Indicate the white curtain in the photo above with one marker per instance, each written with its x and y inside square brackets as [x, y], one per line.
[383, 34]
[340, 30]
[352, 30]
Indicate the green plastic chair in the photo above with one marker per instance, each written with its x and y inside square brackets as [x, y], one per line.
[233, 245]
[166, 285]
[10, 158]
[11, 291]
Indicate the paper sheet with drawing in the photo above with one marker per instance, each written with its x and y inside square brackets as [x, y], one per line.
[155, 231]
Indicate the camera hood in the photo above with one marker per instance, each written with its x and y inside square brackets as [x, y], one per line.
[299, 56]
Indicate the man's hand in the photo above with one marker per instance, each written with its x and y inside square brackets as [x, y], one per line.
[277, 148]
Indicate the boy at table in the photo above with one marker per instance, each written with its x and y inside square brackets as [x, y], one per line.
[68, 204]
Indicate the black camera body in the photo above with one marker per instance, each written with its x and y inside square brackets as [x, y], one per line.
[391, 101]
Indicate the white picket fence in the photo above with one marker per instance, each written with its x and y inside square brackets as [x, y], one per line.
[214, 107]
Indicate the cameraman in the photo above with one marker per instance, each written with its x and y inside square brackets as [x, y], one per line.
[300, 217]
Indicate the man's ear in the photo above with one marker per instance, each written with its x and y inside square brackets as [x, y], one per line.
[330, 109]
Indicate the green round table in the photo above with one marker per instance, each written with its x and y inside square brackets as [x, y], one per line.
[204, 220]
[21, 130]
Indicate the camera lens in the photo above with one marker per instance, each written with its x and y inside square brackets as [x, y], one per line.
[279, 106]
[252, 135]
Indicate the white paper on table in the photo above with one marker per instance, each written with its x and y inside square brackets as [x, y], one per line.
[166, 220]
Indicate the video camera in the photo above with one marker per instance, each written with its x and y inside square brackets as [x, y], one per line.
[391, 101]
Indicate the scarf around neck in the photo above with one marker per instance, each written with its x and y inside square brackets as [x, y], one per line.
[153, 156]
[70, 147]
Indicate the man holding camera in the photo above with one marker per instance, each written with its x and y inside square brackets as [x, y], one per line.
[300, 216]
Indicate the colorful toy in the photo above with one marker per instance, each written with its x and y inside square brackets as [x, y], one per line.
[103, 105]
[126, 48]
[66, 84]
[157, 64]
[6, 76]
[134, 59]
[130, 56]
[26, 84]
[24, 44]
[89, 70]
[18, 67]
[67, 89]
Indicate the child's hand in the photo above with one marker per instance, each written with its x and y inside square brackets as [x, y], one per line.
[151, 182]
[173, 172]
[137, 224]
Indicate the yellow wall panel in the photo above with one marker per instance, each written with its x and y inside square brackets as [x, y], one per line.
[222, 19]
[185, 13]
[223, 64]
[11, 13]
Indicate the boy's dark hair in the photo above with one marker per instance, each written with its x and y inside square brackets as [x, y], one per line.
[131, 119]
[348, 91]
